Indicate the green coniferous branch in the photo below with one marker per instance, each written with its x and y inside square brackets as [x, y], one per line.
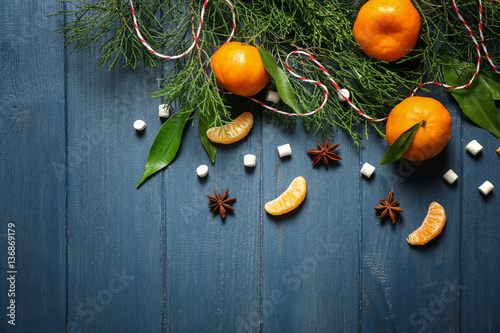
[323, 28]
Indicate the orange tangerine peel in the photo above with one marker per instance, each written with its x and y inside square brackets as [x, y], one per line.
[431, 227]
[233, 131]
[290, 199]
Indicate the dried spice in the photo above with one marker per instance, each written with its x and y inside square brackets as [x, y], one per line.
[221, 204]
[325, 153]
[389, 206]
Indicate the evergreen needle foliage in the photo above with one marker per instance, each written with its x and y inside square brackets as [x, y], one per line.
[320, 27]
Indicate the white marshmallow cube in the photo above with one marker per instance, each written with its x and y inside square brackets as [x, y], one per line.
[139, 125]
[486, 188]
[474, 147]
[343, 94]
[285, 150]
[367, 170]
[202, 170]
[450, 176]
[272, 96]
[249, 160]
[163, 111]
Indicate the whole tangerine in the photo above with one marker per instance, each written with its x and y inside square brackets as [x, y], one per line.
[239, 69]
[387, 29]
[431, 138]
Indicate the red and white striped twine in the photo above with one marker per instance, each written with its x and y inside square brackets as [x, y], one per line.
[156, 53]
[197, 35]
[478, 49]
[323, 86]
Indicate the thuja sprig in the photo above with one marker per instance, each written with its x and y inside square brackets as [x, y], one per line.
[108, 26]
[322, 28]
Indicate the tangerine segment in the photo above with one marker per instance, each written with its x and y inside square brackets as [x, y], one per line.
[387, 29]
[431, 227]
[290, 199]
[432, 137]
[233, 131]
[239, 69]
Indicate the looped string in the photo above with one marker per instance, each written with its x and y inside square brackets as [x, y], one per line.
[197, 35]
[322, 86]
[478, 50]
[202, 14]
[482, 37]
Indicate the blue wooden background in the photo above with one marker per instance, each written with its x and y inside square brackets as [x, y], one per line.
[95, 254]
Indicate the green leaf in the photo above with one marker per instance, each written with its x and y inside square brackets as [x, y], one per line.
[282, 84]
[492, 80]
[401, 145]
[204, 122]
[476, 101]
[165, 145]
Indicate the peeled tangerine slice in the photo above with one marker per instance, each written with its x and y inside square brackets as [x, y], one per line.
[431, 227]
[290, 199]
[233, 131]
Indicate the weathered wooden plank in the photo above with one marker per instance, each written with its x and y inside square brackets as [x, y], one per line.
[212, 265]
[405, 288]
[311, 255]
[155, 259]
[32, 172]
[479, 288]
[115, 244]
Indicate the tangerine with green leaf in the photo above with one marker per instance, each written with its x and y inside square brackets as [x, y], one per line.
[387, 29]
[431, 137]
[239, 69]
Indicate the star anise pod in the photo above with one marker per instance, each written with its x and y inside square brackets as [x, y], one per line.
[221, 204]
[389, 206]
[325, 153]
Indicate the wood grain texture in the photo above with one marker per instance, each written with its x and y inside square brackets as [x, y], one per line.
[95, 254]
[311, 255]
[212, 265]
[115, 241]
[480, 234]
[403, 285]
[32, 171]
